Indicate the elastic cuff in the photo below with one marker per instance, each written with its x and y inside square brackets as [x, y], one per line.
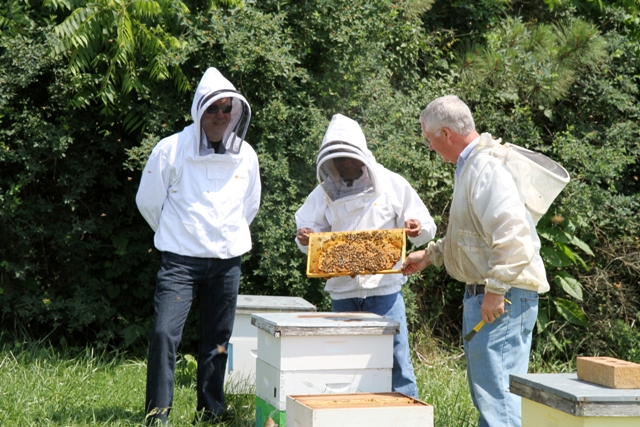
[496, 286]
[434, 253]
[303, 249]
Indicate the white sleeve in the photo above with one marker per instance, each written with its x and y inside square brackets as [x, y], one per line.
[501, 212]
[157, 176]
[312, 215]
[252, 198]
[408, 205]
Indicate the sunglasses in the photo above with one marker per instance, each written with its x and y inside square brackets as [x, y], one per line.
[213, 109]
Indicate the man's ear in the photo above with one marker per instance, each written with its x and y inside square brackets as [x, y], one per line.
[447, 133]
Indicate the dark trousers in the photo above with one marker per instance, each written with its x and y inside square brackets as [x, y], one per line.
[179, 280]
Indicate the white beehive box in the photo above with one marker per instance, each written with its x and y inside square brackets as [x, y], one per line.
[243, 345]
[358, 410]
[274, 385]
[312, 353]
[302, 352]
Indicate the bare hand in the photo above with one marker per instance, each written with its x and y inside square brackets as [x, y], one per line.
[303, 236]
[492, 307]
[415, 262]
[413, 227]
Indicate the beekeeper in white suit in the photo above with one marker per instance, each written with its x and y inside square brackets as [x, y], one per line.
[199, 192]
[356, 193]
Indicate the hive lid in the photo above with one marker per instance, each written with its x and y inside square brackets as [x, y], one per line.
[248, 304]
[362, 249]
[359, 323]
[568, 386]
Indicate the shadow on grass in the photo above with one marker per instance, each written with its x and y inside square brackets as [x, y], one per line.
[116, 416]
[106, 415]
[242, 405]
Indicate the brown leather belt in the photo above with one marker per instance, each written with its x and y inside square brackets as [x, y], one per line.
[475, 289]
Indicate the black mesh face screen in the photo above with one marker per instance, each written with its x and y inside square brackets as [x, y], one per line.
[543, 161]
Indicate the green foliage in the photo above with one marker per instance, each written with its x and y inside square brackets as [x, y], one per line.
[116, 46]
[13, 17]
[533, 64]
[625, 339]
[67, 233]
[186, 370]
[88, 88]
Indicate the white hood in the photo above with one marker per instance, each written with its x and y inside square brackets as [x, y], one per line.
[344, 138]
[212, 87]
[379, 199]
[538, 178]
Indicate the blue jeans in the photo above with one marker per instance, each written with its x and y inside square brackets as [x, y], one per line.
[391, 306]
[179, 280]
[499, 349]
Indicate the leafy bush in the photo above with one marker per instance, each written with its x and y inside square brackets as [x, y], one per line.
[81, 108]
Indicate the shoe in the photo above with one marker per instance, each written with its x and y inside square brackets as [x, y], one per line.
[158, 417]
[157, 422]
[208, 418]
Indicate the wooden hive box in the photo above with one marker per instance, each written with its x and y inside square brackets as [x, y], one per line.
[243, 346]
[318, 353]
[609, 372]
[563, 400]
[358, 410]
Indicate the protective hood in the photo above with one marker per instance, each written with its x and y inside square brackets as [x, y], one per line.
[344, 138]
[212, 87]
[539, 178]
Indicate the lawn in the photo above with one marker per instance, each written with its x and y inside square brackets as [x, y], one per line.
[43, 387]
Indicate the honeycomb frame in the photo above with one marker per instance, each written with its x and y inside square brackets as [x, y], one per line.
[352, 253]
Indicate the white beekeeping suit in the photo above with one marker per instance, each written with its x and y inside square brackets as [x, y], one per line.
[377, 199]
[199, 202]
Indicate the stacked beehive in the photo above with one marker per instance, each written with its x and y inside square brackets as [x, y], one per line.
[243, 345]
[319, 353]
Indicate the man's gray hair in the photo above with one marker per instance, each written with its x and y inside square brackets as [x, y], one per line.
[448, 111]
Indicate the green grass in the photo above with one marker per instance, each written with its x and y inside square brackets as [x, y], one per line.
[442, 382]
[41, 387]
[44, 387]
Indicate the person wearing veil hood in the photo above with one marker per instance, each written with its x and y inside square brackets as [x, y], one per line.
[357, 193]
[199, 191]
[491, 245]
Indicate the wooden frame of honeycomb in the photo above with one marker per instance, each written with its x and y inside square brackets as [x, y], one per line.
[351, 253]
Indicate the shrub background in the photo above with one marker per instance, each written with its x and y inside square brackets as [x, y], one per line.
[87, 90]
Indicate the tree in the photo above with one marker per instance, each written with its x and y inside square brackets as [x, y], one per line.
[118, 46]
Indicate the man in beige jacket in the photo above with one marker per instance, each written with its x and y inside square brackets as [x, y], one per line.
[492, 246]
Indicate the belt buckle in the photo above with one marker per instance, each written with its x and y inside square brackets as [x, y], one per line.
[472, 289]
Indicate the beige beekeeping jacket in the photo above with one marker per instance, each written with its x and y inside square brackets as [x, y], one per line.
[491, 237]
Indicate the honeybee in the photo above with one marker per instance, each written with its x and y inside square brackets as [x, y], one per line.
[365, 252]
